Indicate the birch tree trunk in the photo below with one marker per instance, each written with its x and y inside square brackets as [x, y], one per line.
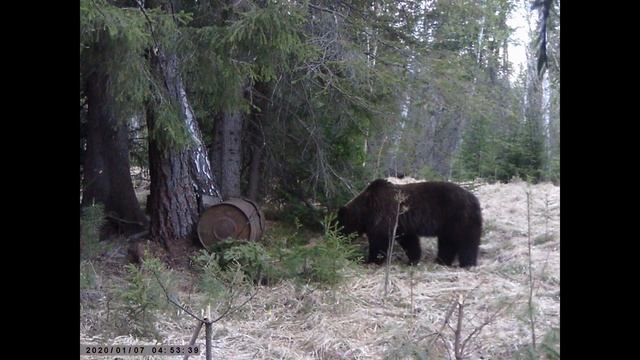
[179, 177]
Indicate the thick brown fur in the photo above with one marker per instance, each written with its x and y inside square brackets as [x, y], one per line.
[440, 209]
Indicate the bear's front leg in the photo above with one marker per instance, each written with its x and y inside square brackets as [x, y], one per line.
[411, 245]
[374, 251]
[376, 248]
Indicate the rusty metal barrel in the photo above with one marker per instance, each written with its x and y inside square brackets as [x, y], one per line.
[236, 218]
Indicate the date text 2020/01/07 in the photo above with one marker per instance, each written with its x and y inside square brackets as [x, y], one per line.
[139, 349]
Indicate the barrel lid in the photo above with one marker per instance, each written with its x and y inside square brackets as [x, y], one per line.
[236, 218]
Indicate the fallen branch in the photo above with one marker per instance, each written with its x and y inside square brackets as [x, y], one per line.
[194, 337]
[138, 235]
[124, 221]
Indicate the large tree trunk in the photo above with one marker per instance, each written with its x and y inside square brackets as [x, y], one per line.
[173, 201]
[255, 137]
[254, 172]
[534, 122]
[231, 133]
[256, 142]
[107, 177]
[179, 177]
[215, 155]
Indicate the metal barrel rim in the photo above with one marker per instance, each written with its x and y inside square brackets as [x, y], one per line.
[249, 210]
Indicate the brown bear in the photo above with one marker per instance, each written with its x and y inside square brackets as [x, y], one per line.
[440, 209]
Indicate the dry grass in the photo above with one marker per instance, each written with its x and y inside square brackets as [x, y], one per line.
[353, 321]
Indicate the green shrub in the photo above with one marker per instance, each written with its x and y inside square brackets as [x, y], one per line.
[253, 258]
[210, 274]
[548, 349]
[289, 256]
[221, 285]
[297, 212]
[323, 261]
[550, 346]
[407, 350]
[144, 295]
[282, 235]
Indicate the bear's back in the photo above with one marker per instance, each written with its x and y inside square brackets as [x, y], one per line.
[450, 199]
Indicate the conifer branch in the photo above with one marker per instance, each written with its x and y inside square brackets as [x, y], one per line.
[151, 29]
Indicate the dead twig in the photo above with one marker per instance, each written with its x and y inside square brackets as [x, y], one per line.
[486, 322]
[458, 349]
[531, 285]
[400, 198]
[113, 217]
[194, 337]
[172, 301]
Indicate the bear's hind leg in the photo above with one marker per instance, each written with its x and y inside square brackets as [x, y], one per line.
[467, 258]
[446, 250]
[411, 246]
[468, 250]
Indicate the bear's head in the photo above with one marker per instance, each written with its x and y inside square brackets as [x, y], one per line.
[356, 214]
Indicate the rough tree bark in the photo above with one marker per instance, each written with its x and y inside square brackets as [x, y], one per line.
[215, 155]
[256, 142]
[227, 149]
[179, 177]
[107, 177]
[231, 154]
[254, 172]
[226, 153]
[255, 137]
[229, 128]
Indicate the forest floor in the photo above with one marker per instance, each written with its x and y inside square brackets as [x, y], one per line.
[418, 319]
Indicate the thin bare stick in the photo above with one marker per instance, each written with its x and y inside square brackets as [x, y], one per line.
[531, 285]
[486, 322]
[327, 10]
[194, 337]
[411, 270]
[138, 235]
[445, 322]
[230, 309]
[547, 217]
[458, 333]
[113, 217]
[390, 253]
[172, 301]
[233, 309]
[400, 198]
